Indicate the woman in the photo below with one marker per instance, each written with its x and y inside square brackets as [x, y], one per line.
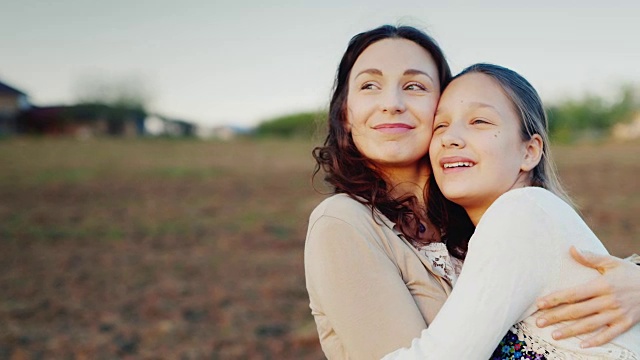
[489, 154]
[373, 260]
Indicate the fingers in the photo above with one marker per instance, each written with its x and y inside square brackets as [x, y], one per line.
[572, 312]
[586, 325]
[573, 295]
[589, 259]
[606, 335]
[583, 292]
[584, 258]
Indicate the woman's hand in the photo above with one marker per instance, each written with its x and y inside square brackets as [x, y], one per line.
[610, 303]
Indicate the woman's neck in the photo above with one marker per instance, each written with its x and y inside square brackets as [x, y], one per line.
[408, 181]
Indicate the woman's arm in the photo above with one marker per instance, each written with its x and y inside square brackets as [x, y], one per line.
[610, 302]
[360, 291]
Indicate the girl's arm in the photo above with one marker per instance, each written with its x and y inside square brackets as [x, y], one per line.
[511, 257]
[610, 302]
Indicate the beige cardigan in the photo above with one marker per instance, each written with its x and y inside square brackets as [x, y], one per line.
[370, 291]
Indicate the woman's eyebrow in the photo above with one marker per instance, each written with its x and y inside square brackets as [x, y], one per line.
[378, 72]
[417, 72]
[369, 71]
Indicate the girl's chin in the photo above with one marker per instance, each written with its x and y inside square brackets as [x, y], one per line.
[458, 196]
[455, 191]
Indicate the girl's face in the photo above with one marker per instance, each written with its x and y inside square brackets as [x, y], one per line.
[477, 151]
[392, 96]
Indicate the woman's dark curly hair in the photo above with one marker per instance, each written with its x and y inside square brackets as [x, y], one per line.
[351, 173]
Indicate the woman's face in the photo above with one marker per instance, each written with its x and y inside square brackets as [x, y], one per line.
[392, 96]
[477, 151]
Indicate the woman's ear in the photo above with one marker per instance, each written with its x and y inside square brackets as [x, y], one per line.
[533, 154]
[347, 123]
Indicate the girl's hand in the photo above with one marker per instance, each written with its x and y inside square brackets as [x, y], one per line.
[610, 303]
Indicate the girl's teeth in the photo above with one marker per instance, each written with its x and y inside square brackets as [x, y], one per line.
[458, 164]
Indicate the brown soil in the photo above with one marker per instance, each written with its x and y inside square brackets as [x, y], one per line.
[188, 250]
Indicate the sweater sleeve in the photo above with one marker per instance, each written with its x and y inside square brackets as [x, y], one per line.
[360, 289]
[510, 257]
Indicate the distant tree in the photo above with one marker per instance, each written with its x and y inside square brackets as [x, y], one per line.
[119, 99]
[628, 105]
[299, 125]
[592, 114]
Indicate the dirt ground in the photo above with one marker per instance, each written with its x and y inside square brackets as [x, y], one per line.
[178, 249]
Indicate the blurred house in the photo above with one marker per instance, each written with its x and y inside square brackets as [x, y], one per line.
[18, 116]
[627, 131]
[157, 125]
[83, 121]
[12, 103]
[225, 132]
[89, 120]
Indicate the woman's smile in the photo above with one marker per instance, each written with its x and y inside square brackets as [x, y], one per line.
[394, 128]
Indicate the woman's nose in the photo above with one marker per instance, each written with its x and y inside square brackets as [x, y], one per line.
[392, 102]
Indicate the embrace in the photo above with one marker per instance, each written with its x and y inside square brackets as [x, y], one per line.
[449, 235]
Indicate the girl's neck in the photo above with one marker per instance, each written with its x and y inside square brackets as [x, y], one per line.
[476, 212]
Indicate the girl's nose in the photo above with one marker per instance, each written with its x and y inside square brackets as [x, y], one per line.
[451, 138]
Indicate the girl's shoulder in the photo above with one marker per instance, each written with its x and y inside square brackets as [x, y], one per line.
[524, 209]
[534, 212]
[530, 198]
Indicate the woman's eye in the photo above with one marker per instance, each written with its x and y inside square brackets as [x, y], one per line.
[368, 86]
[415, 86]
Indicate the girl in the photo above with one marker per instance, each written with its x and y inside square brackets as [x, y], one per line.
[489, 154]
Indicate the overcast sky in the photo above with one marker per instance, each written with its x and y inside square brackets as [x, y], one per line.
[240, 62]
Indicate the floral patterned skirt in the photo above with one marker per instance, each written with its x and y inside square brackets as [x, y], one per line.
[522, 343]
[513, 346]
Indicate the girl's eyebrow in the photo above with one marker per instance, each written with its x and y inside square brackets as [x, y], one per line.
[474, 105]
[480, 105]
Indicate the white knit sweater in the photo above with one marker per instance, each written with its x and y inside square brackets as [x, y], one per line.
[519, 252]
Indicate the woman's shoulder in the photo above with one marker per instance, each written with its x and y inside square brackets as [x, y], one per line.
[340, 206]
[343, 209]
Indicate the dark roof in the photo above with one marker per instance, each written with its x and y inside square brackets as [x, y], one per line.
[6, 89]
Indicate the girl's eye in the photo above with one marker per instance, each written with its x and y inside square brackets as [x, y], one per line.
[479, 121]
[439, 126]
[415, 86]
